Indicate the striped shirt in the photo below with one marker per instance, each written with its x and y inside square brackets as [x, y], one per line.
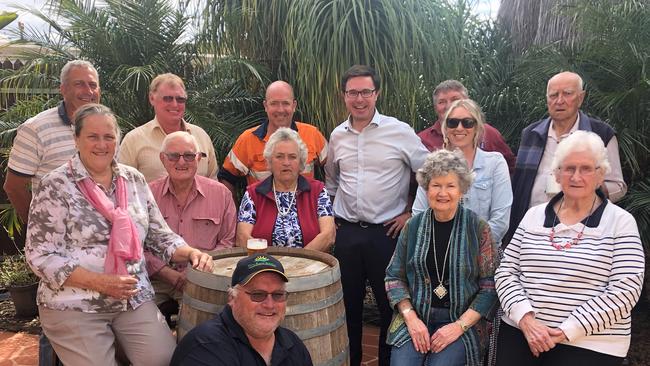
[588, 290]
[42, 144]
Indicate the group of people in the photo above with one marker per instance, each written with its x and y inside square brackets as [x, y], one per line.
[110, 233]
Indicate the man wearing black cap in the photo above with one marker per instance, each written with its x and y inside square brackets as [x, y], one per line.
[247, 331]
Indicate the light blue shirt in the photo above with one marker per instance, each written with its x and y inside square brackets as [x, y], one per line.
[490, 195]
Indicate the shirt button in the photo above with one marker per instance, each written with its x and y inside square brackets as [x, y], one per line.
[426, 280]
[181, 220]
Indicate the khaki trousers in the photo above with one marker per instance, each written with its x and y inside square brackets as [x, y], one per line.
[80, 338]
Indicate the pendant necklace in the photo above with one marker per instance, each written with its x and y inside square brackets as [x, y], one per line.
[440, 290]
[282, 211]
[569, 243]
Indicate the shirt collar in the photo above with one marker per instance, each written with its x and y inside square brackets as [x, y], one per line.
[543, 128]
[376, 120]
[266, 186]
[574, 128]
[79, 171]
[197, 186]
[63, 114]
[437, 126]
[156, 125]
[479, 159]
[282, 341]
[260, 131]
[591, 221]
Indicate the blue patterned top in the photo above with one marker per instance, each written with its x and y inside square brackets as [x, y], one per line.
[286, 231]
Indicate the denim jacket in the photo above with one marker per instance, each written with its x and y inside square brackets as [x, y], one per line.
[490, 195]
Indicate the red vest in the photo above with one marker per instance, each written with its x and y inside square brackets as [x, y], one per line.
[267, 212]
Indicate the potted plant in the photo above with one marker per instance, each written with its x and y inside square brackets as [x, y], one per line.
[22, 283]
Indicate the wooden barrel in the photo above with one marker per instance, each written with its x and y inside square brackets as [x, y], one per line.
[315, 310]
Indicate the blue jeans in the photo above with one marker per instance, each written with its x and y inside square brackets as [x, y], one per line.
[452, 355]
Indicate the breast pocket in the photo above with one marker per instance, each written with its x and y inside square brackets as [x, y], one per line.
[206, 230]
[481, 197]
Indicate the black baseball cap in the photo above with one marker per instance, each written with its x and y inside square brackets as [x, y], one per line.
[250, 266]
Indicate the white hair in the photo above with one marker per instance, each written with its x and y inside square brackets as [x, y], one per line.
[284, 134]
[180, 135]
[580, 141]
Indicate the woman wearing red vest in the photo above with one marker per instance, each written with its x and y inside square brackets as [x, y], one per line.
[287, 209]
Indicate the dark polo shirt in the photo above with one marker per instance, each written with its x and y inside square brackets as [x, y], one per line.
[222, 341]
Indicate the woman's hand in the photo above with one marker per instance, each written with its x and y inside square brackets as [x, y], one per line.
[418, 331]
[201, 261]
[445, 336]
[117, 286]
[538, 335]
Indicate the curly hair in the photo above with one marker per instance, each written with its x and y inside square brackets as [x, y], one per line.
[442, 162]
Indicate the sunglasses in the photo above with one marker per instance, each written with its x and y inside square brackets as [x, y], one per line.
[188, 157]
[466, 122]
[169, 99]
[260, 296]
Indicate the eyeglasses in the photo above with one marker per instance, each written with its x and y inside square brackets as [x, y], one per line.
[188, 157]
[466, 122]
[170, 98]
[584, 170]
[260, 296]
[365, 93]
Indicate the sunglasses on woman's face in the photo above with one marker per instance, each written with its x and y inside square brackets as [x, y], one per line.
[466, 122]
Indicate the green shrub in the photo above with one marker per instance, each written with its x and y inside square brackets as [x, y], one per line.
[14, 271]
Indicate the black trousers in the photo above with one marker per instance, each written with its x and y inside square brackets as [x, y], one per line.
[513, 350]
[363, 251]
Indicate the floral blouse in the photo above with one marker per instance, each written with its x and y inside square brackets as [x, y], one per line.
[65, 231]
[286, 231]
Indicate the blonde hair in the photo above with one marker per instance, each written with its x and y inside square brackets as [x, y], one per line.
[474, 110]
[167, 78]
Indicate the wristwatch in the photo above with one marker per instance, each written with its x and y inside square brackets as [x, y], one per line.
[463, 326]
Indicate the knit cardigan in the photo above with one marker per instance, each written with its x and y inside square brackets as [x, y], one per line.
[472, 261]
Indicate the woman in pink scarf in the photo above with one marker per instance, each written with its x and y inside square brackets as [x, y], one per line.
[88, 224]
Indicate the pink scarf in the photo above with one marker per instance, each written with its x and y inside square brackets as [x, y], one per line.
[123, 244]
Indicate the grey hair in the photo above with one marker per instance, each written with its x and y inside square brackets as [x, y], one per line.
[73, 65]
[473, 108]
[179, 135]
[233, 291]
[442, 162]
[582, 141]
[93, 109]
[449, 85]
[286, 134]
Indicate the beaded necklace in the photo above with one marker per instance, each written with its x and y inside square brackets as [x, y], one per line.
[281, 211]
[569, 243]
